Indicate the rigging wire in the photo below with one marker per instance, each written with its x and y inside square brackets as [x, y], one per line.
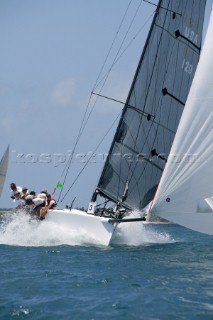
[83, 122]
[117, 57]
[121, 45]
[112, 44]
[150, 3]
[67, 167]
[154, 4]
[125, 49]
[97, 83]
[128, 45]
[83, 125]
[91, 155]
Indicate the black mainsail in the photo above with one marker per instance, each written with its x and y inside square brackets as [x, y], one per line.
[154, 105]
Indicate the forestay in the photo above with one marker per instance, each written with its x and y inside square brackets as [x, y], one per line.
[154, 105]
[185, 194]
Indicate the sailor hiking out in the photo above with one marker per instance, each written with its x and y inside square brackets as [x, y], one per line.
[35, 205]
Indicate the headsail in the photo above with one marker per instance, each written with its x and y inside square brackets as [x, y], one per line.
[154, 105]
[3, 168]
[185, 194]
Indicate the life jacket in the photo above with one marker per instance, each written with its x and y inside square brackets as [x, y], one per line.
[49, 200]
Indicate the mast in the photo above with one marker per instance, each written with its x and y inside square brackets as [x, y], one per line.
[154, 105]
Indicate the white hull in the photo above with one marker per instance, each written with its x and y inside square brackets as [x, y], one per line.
[96, 227]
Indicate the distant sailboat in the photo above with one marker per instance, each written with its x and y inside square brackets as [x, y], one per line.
[149, 121]
[185, 193]
[3, 169]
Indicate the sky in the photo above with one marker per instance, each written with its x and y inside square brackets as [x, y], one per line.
[52, 52]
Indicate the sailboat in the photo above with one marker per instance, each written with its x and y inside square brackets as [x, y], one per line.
[148, 123]
[3, 169]
[185, 193]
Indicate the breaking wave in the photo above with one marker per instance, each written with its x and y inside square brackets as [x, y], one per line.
[19, 229]
[137, 234]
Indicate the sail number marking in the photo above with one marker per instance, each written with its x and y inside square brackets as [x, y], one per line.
[187, 66]
[191, 35]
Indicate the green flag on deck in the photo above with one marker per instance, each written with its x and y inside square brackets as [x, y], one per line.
[59, 185]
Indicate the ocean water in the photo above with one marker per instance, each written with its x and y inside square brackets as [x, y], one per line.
[161, 271]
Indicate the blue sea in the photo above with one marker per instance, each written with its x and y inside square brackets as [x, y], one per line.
[151, 272]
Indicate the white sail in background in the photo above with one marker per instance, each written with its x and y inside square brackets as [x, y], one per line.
[185, 193]
[3, 168]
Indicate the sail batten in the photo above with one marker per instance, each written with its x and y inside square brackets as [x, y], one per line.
[155, 103]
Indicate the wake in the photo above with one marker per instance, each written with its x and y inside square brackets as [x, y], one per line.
[137, 234]
[19, 229]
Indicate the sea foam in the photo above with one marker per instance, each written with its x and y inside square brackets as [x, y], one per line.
[20, 229]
